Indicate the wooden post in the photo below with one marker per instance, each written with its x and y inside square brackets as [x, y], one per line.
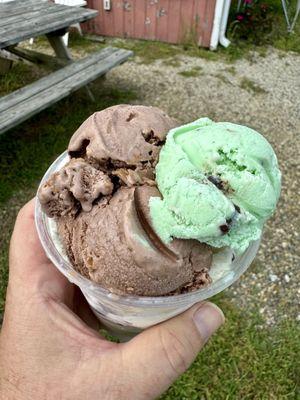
[62, 52]
[56, 41]
[5, 65]
[6, 62]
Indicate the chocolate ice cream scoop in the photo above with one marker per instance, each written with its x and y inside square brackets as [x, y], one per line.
[76, 184]
[100, 201]
[124, 135]
[111, 246]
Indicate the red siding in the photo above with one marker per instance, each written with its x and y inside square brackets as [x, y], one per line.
[170, 21]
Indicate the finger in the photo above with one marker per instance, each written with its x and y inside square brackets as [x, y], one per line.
[162, 353]
[30, 269]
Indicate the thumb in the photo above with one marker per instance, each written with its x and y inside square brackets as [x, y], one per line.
[160, 354]
[30, 271]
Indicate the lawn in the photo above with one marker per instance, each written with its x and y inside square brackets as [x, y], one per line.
[247, 359]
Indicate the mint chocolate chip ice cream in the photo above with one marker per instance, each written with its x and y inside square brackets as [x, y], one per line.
[219, 183]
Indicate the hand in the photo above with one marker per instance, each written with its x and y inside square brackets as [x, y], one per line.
[50, 347]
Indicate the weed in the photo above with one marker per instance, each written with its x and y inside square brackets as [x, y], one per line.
[191, 73]
[172, 62]
[231, 70]
[222, 78]
[251, 86]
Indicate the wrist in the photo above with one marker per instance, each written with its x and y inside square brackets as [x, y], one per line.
[11, 385]
[13, 389]
[7, 389]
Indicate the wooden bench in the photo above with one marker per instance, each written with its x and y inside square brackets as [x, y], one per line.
[20, 105]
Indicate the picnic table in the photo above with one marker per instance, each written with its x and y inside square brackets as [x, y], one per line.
[24, 19]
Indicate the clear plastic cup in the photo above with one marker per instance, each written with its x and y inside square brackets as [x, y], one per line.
[122, 315]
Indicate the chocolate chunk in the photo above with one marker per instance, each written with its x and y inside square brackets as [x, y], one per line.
[130, 116]
[237, 208]
[150, 137]
[216, 181]
[224, 228]
[80, 152]
[201, 279]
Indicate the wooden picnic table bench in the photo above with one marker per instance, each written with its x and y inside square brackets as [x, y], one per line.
[23, 19]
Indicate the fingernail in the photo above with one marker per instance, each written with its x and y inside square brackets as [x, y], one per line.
[208, 318]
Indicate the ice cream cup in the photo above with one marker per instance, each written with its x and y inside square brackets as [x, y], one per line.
[122, 315]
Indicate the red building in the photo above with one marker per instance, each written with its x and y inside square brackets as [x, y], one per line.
[173, 21]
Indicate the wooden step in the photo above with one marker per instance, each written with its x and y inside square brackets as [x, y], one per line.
[20, 105]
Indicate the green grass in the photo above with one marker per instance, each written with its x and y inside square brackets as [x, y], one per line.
[279, 37]
[19, 76]
[191, 73]
[231, 70]
[150, 51]
[172, 62]
[244, 361]
[222, 78]
[147, 51]
[251, 86]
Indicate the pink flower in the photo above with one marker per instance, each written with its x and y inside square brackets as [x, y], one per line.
[240, 17]
[248, 1]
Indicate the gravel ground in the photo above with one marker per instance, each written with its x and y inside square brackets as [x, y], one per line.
[262, 93]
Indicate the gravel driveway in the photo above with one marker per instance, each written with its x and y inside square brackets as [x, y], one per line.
[263, 93]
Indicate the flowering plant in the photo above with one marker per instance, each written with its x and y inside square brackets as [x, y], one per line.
[252, 21]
